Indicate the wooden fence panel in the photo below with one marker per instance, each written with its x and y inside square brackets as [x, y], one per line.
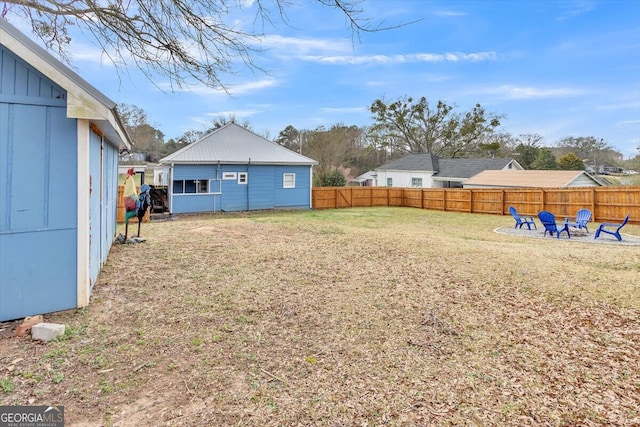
[396, 197]
[343, 197]
[361, 197]
[457, 200]
[527, 201]
[615, 203]
[608, 204]
[433, 199]
[323, 198]
[412, 197]
[488, 201]
[380, 196]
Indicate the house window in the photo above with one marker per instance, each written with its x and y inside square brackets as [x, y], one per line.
[243, 177]
[178, 187]
[289, 180]
[202, 186]
[191, 186]
[416, 182]
[389, 182]
[229, 175]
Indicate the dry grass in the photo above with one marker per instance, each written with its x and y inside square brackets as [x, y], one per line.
[386, 316]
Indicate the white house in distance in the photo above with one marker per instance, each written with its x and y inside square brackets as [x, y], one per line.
[531, 179]
[429, 171]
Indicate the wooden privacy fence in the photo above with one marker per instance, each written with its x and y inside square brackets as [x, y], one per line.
[120, 211]
[608, 204]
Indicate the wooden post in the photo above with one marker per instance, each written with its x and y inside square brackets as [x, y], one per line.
[444, 199]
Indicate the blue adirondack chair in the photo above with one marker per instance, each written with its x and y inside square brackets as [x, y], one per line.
[549, 221]
[583, 216]
[616, 232]
[522, 220]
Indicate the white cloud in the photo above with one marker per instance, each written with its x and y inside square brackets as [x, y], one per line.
[575, 8]
[232, 89]
[302, 46]
[401, 59]
[520, 92]
[621, 106]
[448, 13]
[628, 122]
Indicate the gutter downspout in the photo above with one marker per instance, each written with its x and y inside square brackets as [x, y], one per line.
[218, 178]
[311, 186]
[248, 179]
[171, 188]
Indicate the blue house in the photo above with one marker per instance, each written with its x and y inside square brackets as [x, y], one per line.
[234, 169]
[59, 144]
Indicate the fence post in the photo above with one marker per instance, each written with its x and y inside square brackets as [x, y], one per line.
[593, 203]
[444, 199]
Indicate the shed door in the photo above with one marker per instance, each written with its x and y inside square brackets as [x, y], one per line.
[38, 214]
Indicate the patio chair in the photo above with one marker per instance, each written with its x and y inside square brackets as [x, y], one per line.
[549, 221]
[583, 216]
[522, 220]
[616, 232]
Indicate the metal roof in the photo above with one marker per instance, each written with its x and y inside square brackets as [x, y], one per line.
[233, 143]
[33, 54]
[530, 178]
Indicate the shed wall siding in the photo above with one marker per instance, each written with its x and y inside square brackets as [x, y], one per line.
[38, 222]
[109, 199]
[95, 208]
[38, 193]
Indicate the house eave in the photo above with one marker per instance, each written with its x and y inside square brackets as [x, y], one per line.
[234, 162]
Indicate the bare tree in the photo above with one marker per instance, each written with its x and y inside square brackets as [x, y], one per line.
[186, 41]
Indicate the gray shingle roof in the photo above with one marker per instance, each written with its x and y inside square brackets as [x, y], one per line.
[234, 144]
[445, 168]
[413, 162]
[466, 168]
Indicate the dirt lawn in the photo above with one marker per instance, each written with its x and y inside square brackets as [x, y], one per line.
[357, 317]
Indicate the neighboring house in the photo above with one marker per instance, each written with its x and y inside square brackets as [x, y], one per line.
[59, 144]
[138, 169]
[367, 179]
[160, 175]
[429, 171]
[234, 169]
[532, 179]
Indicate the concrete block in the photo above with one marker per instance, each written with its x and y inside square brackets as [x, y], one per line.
[27, 323]
[46, 331]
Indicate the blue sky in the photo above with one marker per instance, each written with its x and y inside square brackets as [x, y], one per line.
[555, 68]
